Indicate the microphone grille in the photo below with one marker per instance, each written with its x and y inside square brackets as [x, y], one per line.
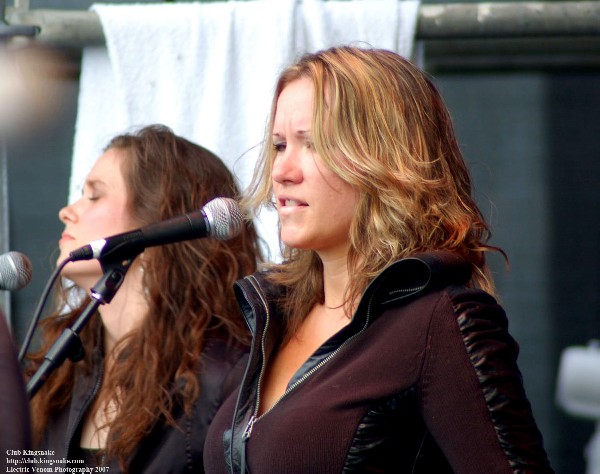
[224, 217]
[15, 271]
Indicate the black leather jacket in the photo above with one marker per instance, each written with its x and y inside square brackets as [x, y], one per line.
[424, 379]
[166, 449]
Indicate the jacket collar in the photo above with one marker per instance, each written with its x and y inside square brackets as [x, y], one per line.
[402, 280]
[408, 277]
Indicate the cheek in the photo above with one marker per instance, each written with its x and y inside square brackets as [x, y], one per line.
[110, 221]
[346, 216]
[344, 200]
[339, 213]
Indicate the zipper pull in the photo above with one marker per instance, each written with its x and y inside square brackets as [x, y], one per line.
[245, 437]
[248, 429]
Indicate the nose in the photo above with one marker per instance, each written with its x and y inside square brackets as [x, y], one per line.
[67, 214]
[286, 167]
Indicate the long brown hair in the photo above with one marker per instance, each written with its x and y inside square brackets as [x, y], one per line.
[189, 288]
[379, 123]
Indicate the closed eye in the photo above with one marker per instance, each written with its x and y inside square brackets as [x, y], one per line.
[93, 189]
[89, 194]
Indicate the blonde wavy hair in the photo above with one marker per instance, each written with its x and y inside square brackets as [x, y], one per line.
[382, 126]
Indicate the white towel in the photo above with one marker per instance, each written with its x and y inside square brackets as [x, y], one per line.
[388, 24]
[207, 70]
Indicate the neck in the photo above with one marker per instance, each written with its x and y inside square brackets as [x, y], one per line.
[335, 279]
[126, 311]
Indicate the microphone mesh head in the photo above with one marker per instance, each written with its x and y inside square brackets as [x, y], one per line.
[224, 217]
[15, 271]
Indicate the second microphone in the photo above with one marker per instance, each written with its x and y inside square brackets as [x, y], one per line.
[220, 218]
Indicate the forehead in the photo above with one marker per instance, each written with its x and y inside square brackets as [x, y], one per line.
[295, 102]
[108, 169]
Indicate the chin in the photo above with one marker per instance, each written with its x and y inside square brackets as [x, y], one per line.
[84, 273]
[292, 243]
[62, 257]
[296, 246]
[293, 239]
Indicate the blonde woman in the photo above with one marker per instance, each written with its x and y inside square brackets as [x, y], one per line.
[378, 344]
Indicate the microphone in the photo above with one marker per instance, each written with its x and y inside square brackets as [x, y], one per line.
[15, 271]
[220, 218]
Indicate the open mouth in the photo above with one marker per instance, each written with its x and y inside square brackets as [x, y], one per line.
[291, 203]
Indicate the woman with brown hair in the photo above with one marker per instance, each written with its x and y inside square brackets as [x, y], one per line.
[166, 351]
[378, 344]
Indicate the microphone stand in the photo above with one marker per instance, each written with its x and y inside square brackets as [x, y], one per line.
[68, 344]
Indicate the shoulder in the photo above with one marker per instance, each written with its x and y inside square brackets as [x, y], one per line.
[222, 366]
[417, 275]
[470, 314]
[220, 355]
[453, 310]
[218, 349]
[432, 290]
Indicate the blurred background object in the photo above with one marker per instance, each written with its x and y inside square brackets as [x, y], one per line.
[578, 393]
[29, 87]
[32, 93]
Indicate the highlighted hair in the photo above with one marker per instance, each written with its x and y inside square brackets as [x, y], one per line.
[381, 125]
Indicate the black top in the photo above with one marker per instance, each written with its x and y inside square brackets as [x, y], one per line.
[423, 380]
[166, 449]
[89, 457]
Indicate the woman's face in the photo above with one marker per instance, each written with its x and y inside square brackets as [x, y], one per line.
[315, 205]
[101, 211]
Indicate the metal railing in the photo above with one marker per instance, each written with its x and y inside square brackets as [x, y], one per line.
[493, 20]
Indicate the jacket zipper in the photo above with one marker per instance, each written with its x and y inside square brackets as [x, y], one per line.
[254, 418]
[407, 290]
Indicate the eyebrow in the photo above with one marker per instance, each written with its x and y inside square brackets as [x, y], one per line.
[300, 133]
[92, 183]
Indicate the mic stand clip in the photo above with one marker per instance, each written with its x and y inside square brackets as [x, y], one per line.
[68, 344]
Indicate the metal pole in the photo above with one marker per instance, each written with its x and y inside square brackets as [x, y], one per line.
[8, 31]
[508, 20]
[79, 28]
[4, 222]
